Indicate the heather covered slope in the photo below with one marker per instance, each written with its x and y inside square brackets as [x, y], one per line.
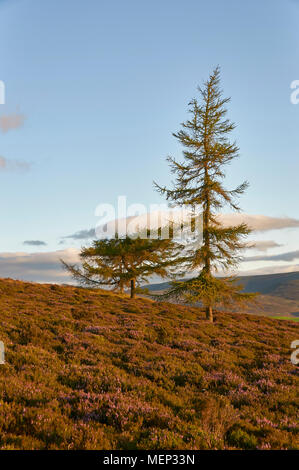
[91, 370]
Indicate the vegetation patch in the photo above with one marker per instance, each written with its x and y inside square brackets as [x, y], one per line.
[137, 374]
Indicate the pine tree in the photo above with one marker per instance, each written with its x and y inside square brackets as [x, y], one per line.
[124, 262]
[199, 181]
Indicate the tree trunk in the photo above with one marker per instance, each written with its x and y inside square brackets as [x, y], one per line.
[133, 288]
[206, 233]
[209, 314]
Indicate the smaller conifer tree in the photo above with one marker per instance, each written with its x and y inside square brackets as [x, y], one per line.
[122, 263]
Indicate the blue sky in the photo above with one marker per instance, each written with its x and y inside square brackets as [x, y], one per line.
[103, 84]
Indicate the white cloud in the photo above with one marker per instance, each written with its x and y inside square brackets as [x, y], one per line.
[288, 256]
[34, 243]
[82, 235]
[38, 267]
[270, 270]
[262, 245]
[46, 267]
[259, 223]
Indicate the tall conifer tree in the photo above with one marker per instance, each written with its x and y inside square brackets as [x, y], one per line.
[199, 181]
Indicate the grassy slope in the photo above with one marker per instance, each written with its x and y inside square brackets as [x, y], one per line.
[93, 370]
[272, 306]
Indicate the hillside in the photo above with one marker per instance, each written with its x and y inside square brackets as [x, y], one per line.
[279, 293]
[285, 285]
[93, 370]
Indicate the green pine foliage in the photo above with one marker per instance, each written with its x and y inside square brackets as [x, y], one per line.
[123, 262]
[199, 180]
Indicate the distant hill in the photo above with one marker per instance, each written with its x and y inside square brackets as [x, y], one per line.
[285, 285]
[89, 369]
[280, 293]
